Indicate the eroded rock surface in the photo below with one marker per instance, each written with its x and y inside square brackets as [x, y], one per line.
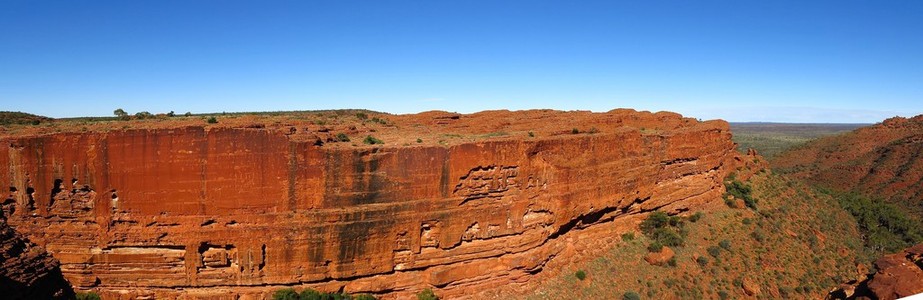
[199, 211]
[27, 271]
[898, 275]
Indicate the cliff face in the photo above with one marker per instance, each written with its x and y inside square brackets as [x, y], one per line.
[885, 160]
[247, 210]
[27, 271]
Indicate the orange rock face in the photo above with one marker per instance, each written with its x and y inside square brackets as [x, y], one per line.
[202, 211]
[898, 275]
[27, 271]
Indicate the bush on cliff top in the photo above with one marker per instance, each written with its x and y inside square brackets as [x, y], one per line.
[371, 140]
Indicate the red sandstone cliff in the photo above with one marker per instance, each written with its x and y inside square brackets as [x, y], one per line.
[248, 208]
[898, 275]
[27, 271]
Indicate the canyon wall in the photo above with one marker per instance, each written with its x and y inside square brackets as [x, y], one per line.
[210, 211]
[27, 271]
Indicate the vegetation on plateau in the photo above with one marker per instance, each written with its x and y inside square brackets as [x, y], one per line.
[770, 139]
[20, 118]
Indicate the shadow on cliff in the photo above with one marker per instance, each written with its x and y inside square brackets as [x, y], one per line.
[28, 272]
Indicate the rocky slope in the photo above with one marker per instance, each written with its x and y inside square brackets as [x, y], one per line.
[884, 160]
[898, 275]
[457, 203]
[796, 244]
[27, 271]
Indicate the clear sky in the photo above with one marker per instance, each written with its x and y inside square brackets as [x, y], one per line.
[789, 61]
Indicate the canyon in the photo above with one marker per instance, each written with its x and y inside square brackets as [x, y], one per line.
[884, 160]
[452, 202]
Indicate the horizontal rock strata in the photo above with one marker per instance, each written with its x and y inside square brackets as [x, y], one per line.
[199, 211]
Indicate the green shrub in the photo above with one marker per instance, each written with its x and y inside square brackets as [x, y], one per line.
[657, 219]
[370, 140]
[730, 203]
[887, 227]
[419, 141]
[672, 261]
[667, 237]
[342, 137]
[212, 120]
[310, 294]
[87, 296]
[741, 191]
[575, 131]
[580, 274]
[362, 116]
[725, 244]
[714, 251]
[427, 294]
[702, 261]
[531, 134]
[285, 294]
[664, 229]
[630, 295]
[628, 236]
[758, 236]
[654, 246]
[695, 217]
[723, 295]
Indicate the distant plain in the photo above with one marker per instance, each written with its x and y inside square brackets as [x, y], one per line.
[770, 139]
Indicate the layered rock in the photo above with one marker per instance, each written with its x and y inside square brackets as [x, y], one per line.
[201, 211]
[27, 271]
[898, 275]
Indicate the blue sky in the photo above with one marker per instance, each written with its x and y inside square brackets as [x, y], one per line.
[789, 61]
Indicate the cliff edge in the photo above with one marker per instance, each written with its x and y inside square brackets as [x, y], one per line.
[456, 203]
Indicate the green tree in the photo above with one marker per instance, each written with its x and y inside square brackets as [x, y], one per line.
[120, 113]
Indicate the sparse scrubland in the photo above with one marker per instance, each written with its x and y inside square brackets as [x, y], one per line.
[796, 244]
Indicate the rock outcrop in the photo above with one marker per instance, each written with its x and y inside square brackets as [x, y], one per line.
[898, 275]
[27, 271]
[204, 210]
